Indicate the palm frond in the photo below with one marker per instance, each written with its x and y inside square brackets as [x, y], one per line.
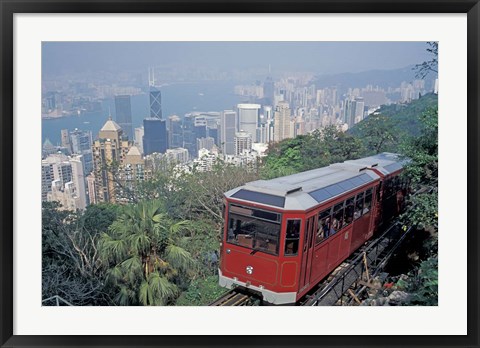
[123, 296]
[145, 294]
[178, 257]
[161, 287]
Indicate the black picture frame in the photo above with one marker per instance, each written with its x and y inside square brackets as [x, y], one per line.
[10, 7]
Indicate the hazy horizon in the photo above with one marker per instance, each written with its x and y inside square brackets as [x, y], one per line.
[316, 57]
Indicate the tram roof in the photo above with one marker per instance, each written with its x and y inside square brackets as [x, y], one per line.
[305, 190]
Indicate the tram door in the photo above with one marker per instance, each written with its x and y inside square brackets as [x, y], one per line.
[307, 252]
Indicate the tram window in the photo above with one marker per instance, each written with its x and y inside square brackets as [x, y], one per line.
[292, 237]
[323, 230]
[337, 220]
[368, 201]
[358, 205]
[349, 211]
[253, 232]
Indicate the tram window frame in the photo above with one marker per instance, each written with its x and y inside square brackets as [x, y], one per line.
[358, 211]
[349, 204]
[369, 195]
[320, 235]
[258, 237]
[338, 208]
[294, 241]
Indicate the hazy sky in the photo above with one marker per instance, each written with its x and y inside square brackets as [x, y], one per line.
[318, 57]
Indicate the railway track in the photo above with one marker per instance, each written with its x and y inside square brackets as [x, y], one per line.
[234, 298]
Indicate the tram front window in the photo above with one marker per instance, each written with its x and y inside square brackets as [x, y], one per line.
[255, 229]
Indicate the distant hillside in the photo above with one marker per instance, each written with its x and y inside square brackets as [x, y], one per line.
[382, 78]
[404, 117]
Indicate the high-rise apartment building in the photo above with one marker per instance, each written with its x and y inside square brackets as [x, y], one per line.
[123, 111]
[243, 142]
[282, 121]
[63, 180]
[109, 152]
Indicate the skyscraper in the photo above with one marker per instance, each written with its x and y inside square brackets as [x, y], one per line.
[248, 119]
[282, 121]
[228, 122]
[155, 96]
[81, 143]
[66, 140]
[123, 111]
[155, 138]
[268, 90]
[174, 132]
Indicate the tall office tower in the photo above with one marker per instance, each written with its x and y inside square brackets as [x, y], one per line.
[81, 142]
[109, 151]
[228, 122]
[349, 112]
[175, 136]
[155, 138]
[248, 119]
[66, 140]
[123, 111]
[268, 90]
[139, 133]
[189, 136]
[282, 121]
[359, 109]
[155, 96]
[243, 142]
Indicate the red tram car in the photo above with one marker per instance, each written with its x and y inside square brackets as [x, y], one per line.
[283, 236]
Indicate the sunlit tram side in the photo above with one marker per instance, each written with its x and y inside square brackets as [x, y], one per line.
[283, 236]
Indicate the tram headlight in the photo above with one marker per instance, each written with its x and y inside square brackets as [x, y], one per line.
[249, 270]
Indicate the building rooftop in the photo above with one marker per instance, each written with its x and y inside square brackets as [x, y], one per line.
[110, 125]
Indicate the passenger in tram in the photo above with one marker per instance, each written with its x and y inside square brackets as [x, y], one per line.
[326, 230]
[334, 227]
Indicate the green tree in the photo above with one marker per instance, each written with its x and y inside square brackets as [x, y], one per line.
[145, 263]
[378, 134]
[318, 149]
[70, 261]
[422, 151]
[98, 217]
[429, 66]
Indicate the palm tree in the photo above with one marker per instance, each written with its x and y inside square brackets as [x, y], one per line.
[143, 259]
